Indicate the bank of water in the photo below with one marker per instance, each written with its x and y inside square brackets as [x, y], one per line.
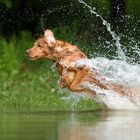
[99, 125]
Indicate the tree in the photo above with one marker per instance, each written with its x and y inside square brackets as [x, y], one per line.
[6, 2]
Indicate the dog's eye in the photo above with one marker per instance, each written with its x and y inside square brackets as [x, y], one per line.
[39, 46]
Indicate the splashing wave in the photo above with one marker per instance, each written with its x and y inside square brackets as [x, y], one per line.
[115, 71]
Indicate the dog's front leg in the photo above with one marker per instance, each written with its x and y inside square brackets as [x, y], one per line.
[62, 82]
[80, 72]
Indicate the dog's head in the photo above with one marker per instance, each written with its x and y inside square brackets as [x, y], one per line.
[43, 46]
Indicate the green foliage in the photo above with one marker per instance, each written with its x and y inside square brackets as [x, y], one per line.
[32, 85]
[6, 2]
[8, 58]
[132, 7]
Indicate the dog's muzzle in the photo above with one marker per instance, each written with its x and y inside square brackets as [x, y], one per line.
[27, 52]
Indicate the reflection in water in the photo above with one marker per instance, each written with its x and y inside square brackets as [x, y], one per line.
[115, 126]
[70, 126]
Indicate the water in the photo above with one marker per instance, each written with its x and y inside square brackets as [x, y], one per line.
[115, 71]
[119, 72]
[127, 45]
[99, 125]
[116, 38]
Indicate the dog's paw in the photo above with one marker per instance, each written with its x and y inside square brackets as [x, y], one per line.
[61, 84]
[76, 88]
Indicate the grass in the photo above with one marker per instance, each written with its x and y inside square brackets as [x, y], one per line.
[32, 85]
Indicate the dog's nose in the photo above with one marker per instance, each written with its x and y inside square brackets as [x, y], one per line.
[27, 52]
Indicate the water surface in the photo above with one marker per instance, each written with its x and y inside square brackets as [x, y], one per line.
[96, 125]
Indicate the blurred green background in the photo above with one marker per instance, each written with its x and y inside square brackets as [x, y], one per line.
[32, 85]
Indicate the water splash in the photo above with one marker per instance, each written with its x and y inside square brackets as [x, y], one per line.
[119, 72]
[74, 100]
[114, 71]
[116, 38]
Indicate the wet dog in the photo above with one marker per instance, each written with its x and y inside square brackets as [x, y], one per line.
[65, 56]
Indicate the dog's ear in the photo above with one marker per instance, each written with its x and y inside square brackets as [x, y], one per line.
[50, 39]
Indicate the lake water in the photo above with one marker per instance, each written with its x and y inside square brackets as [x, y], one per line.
[95, 125]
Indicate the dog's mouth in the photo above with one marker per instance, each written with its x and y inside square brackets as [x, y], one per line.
[32, 58]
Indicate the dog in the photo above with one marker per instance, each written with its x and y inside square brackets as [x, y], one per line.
[64, 56]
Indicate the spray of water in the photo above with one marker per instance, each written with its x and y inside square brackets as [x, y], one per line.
[74, 100]
[115, 37]
[119, 72]
[116, 71]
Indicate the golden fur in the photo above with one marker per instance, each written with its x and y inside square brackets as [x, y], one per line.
[64, 55]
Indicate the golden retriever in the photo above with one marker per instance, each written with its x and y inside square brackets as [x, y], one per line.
[64, 56]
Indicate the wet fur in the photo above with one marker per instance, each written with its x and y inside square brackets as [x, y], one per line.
[64, 56]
